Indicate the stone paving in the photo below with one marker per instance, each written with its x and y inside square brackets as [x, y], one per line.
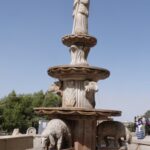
[140, 144]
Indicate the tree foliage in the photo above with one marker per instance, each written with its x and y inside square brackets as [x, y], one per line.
[147, 114]
[147, 117]
[16, 111]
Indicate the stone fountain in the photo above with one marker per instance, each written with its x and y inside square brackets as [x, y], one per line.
[77, 83]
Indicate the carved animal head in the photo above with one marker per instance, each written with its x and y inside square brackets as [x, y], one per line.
[48, 143]
[90, 89]
[90, 86]
[56, 88]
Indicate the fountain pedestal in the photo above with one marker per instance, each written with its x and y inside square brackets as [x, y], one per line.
[78, 84]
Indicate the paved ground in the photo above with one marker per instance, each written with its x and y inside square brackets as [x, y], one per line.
[140, 144]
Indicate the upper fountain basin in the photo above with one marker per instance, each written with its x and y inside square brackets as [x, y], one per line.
[78, 72]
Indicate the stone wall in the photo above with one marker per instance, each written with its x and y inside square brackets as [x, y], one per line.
[21, 142]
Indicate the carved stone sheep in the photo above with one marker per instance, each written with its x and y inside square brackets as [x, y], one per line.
[56, 88]
[91, 88]
[115, 130]
[55, 135]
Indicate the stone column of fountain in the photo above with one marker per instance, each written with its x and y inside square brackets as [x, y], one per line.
[78, 84]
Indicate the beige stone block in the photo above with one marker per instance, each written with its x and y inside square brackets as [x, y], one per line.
[16, 143]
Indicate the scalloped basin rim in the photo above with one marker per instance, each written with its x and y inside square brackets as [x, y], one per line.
[85, 111]
[78, 66]
[78, 72]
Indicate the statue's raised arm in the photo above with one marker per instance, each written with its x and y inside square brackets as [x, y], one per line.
[80, 16]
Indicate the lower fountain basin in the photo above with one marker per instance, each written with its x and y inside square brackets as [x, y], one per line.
[76, 113]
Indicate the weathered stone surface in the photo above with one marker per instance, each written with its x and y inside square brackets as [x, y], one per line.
[113, 134]
[76, 113]
[79, 55]
[79, 40]
[20, 142]
[56, 133]
[80, 16]
[79, 84]
[78, 72]
[31, 131]
[56, 88]
[79, 94]
[142, 144]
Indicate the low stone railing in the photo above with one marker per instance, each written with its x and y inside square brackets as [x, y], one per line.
[20, 142]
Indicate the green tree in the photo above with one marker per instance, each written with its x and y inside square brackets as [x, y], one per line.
[147, 117]
[37, 99]
[147, 114]
[16, 111]
[131, 127]
[51, 100]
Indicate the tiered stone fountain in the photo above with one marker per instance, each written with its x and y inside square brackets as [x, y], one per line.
[78, 84]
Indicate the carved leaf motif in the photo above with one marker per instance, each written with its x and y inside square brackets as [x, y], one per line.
[69, 97]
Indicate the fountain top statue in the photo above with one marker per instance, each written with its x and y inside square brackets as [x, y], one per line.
[80, 16]
[80, 35]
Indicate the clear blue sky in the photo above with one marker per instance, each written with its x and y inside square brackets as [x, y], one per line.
[30, 42]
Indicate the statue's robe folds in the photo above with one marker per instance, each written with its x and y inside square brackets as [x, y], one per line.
[80, 15]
